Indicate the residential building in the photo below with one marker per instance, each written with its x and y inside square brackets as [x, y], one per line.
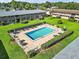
[7, 17]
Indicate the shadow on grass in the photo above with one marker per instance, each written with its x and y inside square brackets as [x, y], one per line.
[3, 53]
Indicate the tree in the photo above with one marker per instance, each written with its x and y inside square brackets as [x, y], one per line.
[48, 4]
[13, 4]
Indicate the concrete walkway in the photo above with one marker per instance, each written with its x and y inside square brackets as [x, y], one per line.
[70, 52]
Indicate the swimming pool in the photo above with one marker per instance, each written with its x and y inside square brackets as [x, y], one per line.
[39, 33]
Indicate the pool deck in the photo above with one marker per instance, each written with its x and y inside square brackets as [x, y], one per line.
[35, 44]
[69, 52]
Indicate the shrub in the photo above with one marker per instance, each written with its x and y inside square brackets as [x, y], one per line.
[64, 28]
[60, 22]
[72, 19]
[24, 22]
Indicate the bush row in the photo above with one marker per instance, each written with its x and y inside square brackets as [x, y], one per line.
[29, 26]
[57, 39]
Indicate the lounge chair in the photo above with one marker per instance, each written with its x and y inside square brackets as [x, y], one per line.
[23, 29]
[23, 43]
[15, 36]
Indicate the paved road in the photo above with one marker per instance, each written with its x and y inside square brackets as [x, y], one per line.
[69, 52]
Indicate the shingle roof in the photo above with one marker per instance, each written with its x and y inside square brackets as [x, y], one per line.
[19, 12]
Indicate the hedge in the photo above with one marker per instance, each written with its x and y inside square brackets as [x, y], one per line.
[29, 26]
[32, 53]
[56, 39]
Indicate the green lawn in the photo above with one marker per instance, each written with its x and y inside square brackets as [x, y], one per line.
[15, 52]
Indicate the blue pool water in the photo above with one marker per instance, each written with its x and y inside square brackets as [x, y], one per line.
[39, 33]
